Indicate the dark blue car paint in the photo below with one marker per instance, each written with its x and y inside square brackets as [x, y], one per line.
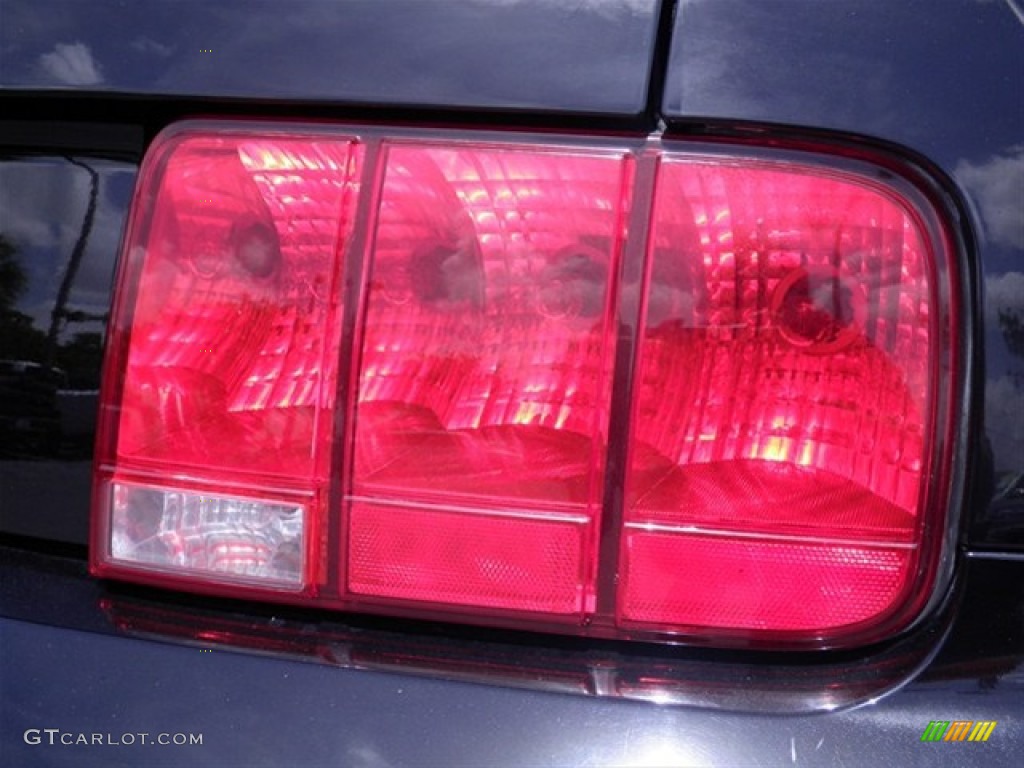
[941, 80]
[528, 54]
[253, 710]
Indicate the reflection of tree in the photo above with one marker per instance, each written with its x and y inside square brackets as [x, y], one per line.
[59, 314]
[18, 339]
[39, 418]
[1012, 325]
[12, 276]
[80, 359]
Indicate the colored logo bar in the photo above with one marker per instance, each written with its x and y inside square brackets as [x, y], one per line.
[958, 730]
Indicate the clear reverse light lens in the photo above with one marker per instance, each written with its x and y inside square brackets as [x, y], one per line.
[240, 539]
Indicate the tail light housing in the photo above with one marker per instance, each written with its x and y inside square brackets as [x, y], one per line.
[605, 387]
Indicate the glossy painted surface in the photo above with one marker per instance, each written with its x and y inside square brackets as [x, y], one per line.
[350, 708]
[60, 227]
[581, 55]
[254, 712]
[260, 710]
[941, 78]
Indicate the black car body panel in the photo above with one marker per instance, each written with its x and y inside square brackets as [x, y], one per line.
[85, 86]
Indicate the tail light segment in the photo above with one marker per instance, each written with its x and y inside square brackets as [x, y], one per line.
[796, 337]
[376, 371]
[485, 376]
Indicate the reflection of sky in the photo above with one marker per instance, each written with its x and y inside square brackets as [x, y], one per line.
[590, 55]
[42, 206]
[920, 72]
[996, 188]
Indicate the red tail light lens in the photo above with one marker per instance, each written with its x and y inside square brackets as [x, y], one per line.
[485, 375]
[784, 398]
[787, 385]
[225, 343]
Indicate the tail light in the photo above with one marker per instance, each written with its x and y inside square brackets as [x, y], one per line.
[380, 372]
